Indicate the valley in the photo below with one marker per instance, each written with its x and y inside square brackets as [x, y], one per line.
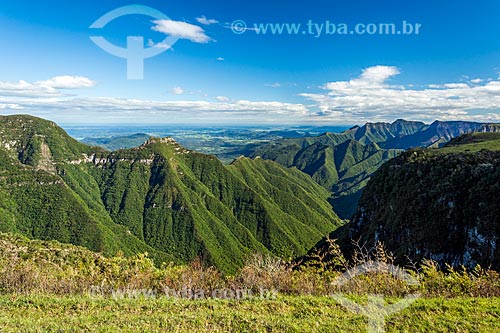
[249, 166]
[144, 222]
[172, 202]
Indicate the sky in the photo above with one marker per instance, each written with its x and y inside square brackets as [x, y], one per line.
[334, 62]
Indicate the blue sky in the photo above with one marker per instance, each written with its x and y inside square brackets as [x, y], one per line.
[49, 67]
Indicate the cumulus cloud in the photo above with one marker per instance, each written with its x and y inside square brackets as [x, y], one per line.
[449, 86]
[220, 59]
[370, 97]
[182, 30]
[67, 82]
[48, 88]
[46, 99]
[162, 45]
[240, 106]
[203, 20]
[370, 79]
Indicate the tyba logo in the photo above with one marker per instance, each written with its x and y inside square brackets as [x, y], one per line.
[135, 52]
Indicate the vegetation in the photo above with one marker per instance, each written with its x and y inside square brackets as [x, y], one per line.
[54, 287]
[343, 163]
[440, 204]
[340, 167]
[284, 314]
[49, 267]
[159, 198]
[473, 142]
[167, 239]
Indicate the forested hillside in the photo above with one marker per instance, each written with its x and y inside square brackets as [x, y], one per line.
[440, 204]
[161, 198]
[344, 162]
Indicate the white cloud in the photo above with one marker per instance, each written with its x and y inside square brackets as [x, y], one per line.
[222, 98]
[162, 45]
[371, 78]
[177, 91]
[43, 99]
[67, 82]
[274, 85]
[48, 88]
[378, 74]
[181, 30]
[477, 80]
[10, 106]
[371, 98]
[115, 110]
[220, 59]
[456, 85]
[203, 20]
[448, 86]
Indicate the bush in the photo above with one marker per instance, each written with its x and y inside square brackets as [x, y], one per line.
[28, 266]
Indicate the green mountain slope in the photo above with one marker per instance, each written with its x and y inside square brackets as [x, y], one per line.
[343, 162]
[174, 203]
[439, 132]
[46, 197]
[440, 204]
[473, 142]
[297, 216]
[337, 162]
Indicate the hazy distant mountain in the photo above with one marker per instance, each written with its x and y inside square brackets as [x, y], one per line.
[118, 142]
[161, 198]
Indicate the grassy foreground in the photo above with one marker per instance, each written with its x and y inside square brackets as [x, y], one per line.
[38, 313]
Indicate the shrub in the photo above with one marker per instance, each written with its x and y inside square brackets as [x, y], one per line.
[28, 266]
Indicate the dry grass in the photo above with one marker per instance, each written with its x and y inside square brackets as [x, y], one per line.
[52, 268]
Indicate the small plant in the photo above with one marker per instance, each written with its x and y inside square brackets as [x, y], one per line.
[28, 266]
[265, 271]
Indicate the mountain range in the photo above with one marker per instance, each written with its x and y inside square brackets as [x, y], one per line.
[343, 162]
[178, 204]
[159, 198]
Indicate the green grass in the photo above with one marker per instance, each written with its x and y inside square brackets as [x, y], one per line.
[471, 148]
[44, 288]
[473, 143]
[40, 313]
